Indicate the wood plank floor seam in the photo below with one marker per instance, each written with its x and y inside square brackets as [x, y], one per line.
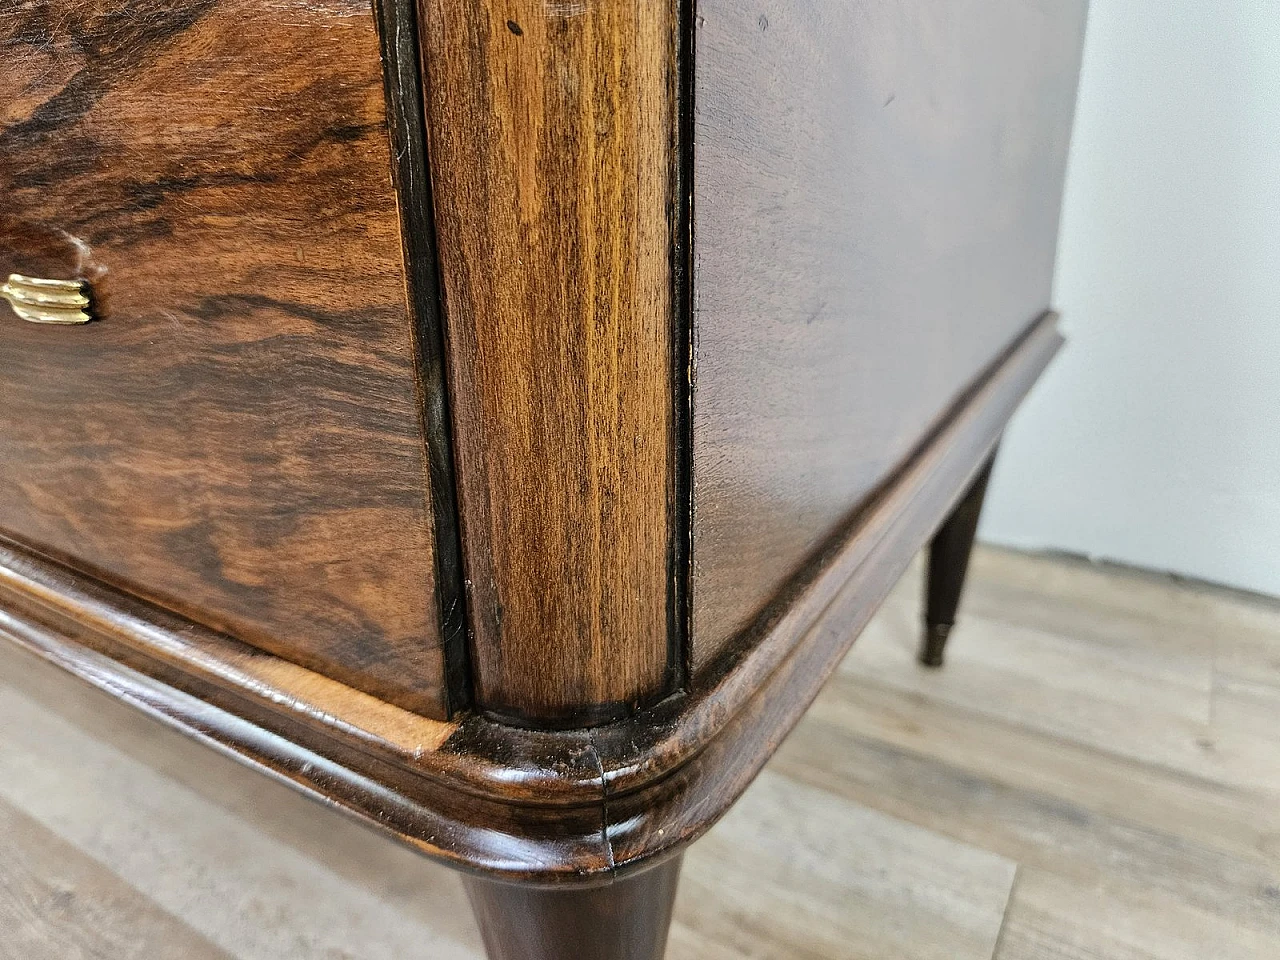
[1004, 917]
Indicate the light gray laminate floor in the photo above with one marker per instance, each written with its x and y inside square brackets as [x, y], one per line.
[1095, 774]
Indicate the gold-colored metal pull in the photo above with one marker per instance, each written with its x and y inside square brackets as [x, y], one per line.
[48, 301]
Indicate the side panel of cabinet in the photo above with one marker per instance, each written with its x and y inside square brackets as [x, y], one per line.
[876, 200]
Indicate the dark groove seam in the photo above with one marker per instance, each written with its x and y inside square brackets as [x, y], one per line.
[679, 629]
[406, 114]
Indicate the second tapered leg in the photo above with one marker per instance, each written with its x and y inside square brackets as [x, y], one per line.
[948, 563]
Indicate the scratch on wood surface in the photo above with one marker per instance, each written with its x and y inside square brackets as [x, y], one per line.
[565, 9]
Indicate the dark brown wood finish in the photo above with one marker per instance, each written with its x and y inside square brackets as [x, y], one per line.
[537, 806]
[239, 437]
[948, 563]
[626, 920]
[551, 130]
[876, 194]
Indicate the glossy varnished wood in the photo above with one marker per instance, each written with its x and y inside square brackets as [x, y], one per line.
[876, 191]
[104, 619]
[568, 807]
[551, 151]
[626, 920]
[239, 436]
[768, 689]
[496, 837]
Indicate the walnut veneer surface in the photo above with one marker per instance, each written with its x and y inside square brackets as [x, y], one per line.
[239, 436]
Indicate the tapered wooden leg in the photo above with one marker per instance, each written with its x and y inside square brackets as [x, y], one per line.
[948, 562]
[626, 920]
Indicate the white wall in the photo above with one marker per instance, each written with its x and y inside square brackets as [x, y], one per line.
[1155, 437]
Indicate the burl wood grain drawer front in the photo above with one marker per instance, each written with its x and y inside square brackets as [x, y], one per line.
[239, 433]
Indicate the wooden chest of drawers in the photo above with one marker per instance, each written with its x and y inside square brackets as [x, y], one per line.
[498, 419]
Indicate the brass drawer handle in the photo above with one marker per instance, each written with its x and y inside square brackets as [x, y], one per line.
[48, 301]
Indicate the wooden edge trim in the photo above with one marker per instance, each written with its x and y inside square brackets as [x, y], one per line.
[926, 486]
[526, 805]
[521, 844]
[722, 757]
[112, 622]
